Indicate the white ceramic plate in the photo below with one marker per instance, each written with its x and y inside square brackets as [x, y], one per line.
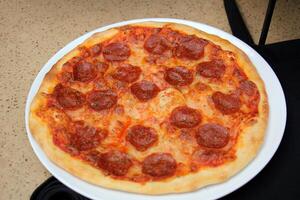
[273, 137]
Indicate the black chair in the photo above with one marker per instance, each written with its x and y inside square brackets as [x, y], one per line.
[280, 179]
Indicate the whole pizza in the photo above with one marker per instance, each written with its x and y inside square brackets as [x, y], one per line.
[151, 108]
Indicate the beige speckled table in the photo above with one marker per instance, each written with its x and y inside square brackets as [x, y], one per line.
[32, 31]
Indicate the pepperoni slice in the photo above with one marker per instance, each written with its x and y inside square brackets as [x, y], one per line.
[84, 71]
[116, 52]
[208, 157]
[185, 117]
[61, 139]
[226, 103]
[127, 73]
[248, 87]
[68, 98]
[86, 137]
[101, 100]
[92, 157]
[115, 162]
[190, 47]
[141, 137]
[157, 44]
[212, 136]
[211, 69]
[65, 77]
[144, 90]
[95, 50]
[239, 74]
[179, 76]
[160, 165]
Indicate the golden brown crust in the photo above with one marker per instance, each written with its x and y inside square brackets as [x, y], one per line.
[248, 143]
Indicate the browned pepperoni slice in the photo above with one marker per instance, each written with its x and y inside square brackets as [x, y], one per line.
[65, 76]
[157, 44]
[226, 103]
[212, 136]
[101, 100]
[116, 52]
[95, 50]
[179, 76]
[160, 165]
[239, 74]
[84, 71]
[127, 73]
[144, 90]
[61, 139]
[68, 98]
[248, 87]
[115, 162]
[190, 47]
[211, 69]
[92, 157]
[141, 137]
[208, 157]
[86, 137]
[185, 117]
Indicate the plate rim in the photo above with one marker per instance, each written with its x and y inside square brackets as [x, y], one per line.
[74, 182]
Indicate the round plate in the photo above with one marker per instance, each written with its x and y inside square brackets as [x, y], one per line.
[274, 132]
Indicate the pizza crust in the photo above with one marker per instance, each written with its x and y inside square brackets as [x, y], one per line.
[248, 144]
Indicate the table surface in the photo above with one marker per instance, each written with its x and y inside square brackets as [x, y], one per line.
[31, 31]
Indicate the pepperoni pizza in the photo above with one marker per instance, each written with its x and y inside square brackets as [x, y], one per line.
[151, 108]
